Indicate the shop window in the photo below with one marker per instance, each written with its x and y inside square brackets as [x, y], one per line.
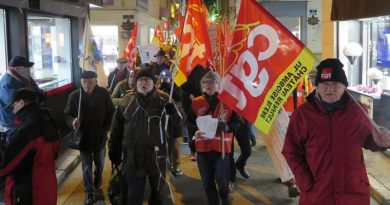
[379, 50]
[107, 43]
[3, 44]
[49, 47]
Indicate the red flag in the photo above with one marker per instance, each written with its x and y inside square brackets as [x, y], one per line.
[179, 29]
[220, 53]
[158, 38]
[227, 35]
[264, 65]
[131, 46]
[194, 45]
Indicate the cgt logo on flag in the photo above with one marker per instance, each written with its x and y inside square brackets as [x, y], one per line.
[326, 74]
[264, 65]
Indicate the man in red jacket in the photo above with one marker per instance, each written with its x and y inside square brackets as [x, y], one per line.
[324, 142]
[29, 158]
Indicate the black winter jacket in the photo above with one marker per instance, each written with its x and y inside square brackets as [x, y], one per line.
[95, 117]
[138, 131]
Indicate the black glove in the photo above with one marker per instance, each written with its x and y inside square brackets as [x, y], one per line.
[170, 108]
[222, 126]
[115, 157]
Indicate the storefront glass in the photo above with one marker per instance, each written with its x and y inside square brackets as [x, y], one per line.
[49, 48]
[380, 49]
[106, 38]
[3, 44]
[372, 67]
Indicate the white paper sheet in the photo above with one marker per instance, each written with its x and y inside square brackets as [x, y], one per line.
[207, 125]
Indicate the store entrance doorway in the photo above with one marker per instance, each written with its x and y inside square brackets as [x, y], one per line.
[106, 38]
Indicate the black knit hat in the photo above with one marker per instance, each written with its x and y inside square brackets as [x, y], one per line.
[146, 72]
[88, 74]
[331, 69]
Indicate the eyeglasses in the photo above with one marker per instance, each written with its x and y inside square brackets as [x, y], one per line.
[329, 85]
[208, 81]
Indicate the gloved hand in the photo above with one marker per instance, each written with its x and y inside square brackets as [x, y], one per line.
[222, 126]
[115, 157]
[170, 108]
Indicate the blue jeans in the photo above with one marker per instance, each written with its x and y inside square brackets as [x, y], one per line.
[86, 163]
[213, 169]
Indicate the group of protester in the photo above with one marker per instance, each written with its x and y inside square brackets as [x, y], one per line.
[322, 146]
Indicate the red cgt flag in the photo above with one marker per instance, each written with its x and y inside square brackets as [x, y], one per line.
[264, 65]
[194, 45]
[131, 46]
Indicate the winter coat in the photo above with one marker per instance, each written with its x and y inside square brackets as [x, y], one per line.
[95, 117]
[176, 94]
[114, 79]
[29, 159]
[8, 86]
[324, 151]
[138, 131]
[120, 90]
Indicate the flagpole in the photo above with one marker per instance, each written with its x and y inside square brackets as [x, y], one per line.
[84, 41]
[175, 66]
[221, 69]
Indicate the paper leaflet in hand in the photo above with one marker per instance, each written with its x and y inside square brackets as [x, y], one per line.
[207, 125]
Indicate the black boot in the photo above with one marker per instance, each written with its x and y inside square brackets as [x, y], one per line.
[89, 199]
[244, 173]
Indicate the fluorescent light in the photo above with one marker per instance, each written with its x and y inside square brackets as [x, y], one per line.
[94, 6]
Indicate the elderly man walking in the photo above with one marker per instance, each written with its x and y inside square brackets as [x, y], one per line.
[324, 142]
[94, 121]
[138, 135]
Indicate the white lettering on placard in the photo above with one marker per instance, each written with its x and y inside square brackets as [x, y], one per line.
[247, 57]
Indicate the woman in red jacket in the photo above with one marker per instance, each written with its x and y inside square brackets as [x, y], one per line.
[212, 167]
[324, 142]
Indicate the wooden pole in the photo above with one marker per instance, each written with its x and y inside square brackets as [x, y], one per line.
[221, 61]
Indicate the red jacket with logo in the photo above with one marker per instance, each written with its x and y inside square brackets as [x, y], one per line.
[214, 109]
[324, 151]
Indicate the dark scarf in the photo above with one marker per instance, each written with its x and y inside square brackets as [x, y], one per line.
[332, 107]
[29, 83]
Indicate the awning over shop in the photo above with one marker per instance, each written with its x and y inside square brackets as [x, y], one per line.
[357, 9]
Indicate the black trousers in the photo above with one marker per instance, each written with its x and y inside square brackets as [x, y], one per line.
[136, 189]
[243, 138]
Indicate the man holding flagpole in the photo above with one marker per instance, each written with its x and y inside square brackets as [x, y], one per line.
[93, 126]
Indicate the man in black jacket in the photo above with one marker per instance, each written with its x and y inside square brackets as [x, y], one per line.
[138, 131]
[93, 120]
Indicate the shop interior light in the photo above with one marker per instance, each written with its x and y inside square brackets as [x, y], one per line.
[352, 51]
[94, 6]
